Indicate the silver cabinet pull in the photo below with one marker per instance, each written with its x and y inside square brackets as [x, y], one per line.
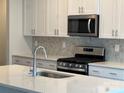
[113, 33]
[89, 23]
[116, 33]
[95, 71]
[82, 9]
[33, 31]
[55, 32]
[114, 74]
[79, 10]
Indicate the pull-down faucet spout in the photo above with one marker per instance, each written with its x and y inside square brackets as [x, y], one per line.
[34, 72]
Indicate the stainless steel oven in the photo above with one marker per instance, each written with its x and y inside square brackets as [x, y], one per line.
[83, 25]
[79, 63]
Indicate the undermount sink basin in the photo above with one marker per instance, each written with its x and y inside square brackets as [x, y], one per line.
[53, 75]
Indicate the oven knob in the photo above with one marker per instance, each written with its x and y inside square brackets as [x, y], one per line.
[76, 65]
[60, 64]
[80, 66]
[70, 65]
[64, 64]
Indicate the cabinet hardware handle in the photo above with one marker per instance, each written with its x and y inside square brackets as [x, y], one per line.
[82, 9]
[55, 32]
[79, 10]
[116, 33]
[113, 33]
[115, 74]
[33, 31]
[96, 71]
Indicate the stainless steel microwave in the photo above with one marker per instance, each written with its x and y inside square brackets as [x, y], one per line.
[83, 25]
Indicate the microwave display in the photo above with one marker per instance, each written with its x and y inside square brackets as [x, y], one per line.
[83, 25]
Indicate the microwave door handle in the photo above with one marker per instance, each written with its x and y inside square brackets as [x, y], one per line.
[89, 22]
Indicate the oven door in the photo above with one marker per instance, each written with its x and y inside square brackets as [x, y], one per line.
[70, 71]
[83, 25]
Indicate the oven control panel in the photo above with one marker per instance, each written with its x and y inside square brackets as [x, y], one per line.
[72, 66]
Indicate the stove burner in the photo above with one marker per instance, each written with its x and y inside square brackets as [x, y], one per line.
[80, 60]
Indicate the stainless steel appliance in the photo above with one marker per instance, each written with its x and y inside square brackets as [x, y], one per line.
[79, 63]
[83, 25]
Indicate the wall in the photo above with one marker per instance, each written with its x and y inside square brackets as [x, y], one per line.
[3, 32]
[18, 44]
[54, 46]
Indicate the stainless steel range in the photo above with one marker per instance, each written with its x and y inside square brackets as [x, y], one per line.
[79, 63]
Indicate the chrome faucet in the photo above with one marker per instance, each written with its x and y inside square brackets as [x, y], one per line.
[34, 71]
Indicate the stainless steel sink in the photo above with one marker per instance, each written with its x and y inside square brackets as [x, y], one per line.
[53, 75]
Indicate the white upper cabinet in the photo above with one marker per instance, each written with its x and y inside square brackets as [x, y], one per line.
[121, 19]
[29, 17]
[107, 18]
[41, 18]
[45, 17]
[62, 17]
[90, 7]
[34, 17]
[80, 7]
[52, 17]
[111, 19]
[57, 18]
[74, 7]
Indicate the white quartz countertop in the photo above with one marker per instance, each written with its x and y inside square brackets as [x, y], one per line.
[19, 77]
[16, 76]
[118, 65]
[52, 58]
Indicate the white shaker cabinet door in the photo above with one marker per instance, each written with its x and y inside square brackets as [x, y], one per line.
[121, 19]
[107, 18]
[62, 17]
[29, 17]
[41, 10]
[74, 7]
[82, 7]
[52, 16]
[56, 18]
[35, 17]
[111, 19]
[90, 7]
[106, 72]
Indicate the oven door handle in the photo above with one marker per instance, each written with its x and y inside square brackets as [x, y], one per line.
[89, 23]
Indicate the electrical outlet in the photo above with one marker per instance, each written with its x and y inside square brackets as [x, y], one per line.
[35, 43]
[64, 45]
[117, 48]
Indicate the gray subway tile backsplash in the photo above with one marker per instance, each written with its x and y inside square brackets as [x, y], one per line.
[54, 46]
